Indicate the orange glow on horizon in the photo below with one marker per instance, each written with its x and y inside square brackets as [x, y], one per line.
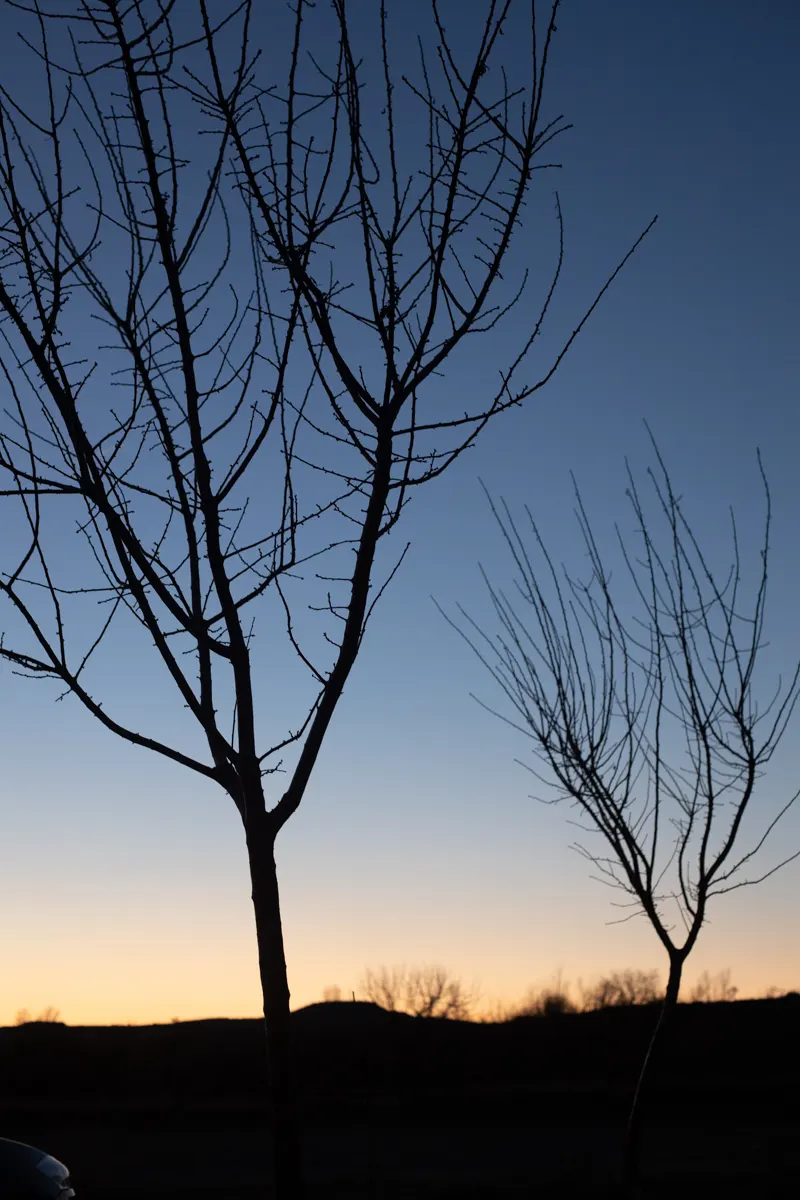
[110, 1009]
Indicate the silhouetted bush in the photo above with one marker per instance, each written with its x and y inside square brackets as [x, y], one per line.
[548, 1001]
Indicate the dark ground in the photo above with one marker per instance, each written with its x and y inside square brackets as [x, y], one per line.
[395, 1107]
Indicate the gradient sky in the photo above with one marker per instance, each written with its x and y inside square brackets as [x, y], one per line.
[123, 886]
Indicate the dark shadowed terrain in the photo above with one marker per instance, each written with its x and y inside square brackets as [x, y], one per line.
[399, 1107]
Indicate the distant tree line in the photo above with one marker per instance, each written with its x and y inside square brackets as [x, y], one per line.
[433, 991]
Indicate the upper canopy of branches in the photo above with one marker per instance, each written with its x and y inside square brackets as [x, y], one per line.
[193, 257]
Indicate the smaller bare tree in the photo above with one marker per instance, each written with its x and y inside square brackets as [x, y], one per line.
[647, 722]
[428, 991]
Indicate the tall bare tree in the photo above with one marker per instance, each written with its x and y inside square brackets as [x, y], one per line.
[644, 711]
[225, 304]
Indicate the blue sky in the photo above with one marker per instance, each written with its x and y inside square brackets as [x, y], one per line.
[124, 886]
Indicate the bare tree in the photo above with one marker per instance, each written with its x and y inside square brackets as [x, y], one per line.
[649, 722]
[432, 992]
[428, 991]
[225, 305]
[384, 987]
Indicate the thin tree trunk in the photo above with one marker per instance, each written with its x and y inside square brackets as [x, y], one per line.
[633, 1139]
[275, 990]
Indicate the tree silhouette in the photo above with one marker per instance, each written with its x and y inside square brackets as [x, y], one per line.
[225, 305]
[429, 991]
[647, 722]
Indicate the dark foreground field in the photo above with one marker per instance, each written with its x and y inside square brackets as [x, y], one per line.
[396, 1107]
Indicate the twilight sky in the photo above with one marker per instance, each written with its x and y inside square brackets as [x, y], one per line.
[123, 878]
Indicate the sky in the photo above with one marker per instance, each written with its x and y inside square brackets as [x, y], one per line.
[123, 882]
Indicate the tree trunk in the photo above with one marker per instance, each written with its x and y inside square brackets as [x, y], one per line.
[633, 1139]
[275, 991]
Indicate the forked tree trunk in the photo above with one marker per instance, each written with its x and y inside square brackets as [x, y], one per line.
[288, 1173]
[633, 1138]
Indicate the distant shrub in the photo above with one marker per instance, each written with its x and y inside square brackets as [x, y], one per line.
[548, 1001]
[776, 993]
[48, 1016]
[619, 989]
[713, 989]
[331, 994]
[622, 989]
[554, 1003]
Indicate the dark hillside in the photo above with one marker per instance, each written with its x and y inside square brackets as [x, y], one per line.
[397, 1107]
[741, 1053]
